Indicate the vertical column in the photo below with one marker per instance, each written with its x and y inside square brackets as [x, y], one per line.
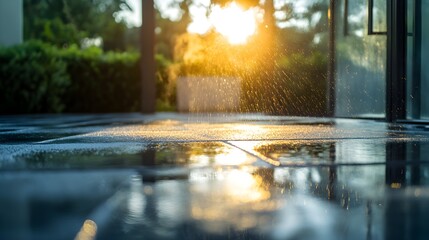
[147, 61]
[396, 60]
[11, 22]
[416, 60]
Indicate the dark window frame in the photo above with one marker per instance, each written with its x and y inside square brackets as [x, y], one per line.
[371, 20]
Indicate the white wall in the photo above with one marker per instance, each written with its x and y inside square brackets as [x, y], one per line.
[208, 94]
[11, 22]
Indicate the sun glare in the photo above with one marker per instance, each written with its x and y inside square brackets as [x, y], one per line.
[233, 22]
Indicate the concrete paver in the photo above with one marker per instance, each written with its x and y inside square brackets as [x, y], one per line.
[211, 176]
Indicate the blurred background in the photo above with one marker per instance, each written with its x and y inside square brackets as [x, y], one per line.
[266, 56]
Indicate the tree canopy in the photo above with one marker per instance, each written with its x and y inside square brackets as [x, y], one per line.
[63, 22]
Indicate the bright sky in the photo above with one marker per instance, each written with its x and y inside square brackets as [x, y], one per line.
[133, 18]
[200, 23]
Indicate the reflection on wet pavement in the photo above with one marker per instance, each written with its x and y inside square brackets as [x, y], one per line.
[333, 152]
[281, 203]
[234, 177]
[195, 154]
[127, 155]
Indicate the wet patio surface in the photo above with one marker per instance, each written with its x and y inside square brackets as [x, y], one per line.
[211, 176]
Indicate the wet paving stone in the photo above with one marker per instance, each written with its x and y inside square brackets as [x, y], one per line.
[213, 176]
[280, 203]
[14, 138]
[337, 151]
[53, 205]
[126, 155]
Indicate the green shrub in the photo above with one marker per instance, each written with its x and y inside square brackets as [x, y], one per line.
[300, 85]
[295, 86]
[102, 82]
[165, 84]
[40, 78]
[55, 32]
[33, 79]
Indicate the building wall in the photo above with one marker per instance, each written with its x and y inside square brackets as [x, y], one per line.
[208, 94]
[11, 22]
[360, 61]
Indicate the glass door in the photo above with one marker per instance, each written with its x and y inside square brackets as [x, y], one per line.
[417, 60]
[360, 58]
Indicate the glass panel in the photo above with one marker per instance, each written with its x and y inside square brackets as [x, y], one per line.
[360, 64]
[424, 74]
[267, 56]
[379, 20]
[411, 96]
[418, 53]
[244, 55]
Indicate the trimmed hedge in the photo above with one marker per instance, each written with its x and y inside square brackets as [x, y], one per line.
[33, 79]
[101, 82]
[38, 78]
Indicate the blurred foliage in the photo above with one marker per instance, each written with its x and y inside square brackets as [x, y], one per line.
[65, 22]
[167, 31]
[212, 55]
[243, 3]
[303, 81]
[283, 67]
[57, 32]
[283, 70]
[36, 77]
[101, 82]
[165, 85]
[33, 79]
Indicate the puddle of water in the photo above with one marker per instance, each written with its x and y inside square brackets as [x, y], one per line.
[187, 154]
[52, 205]
[196, 154]
[337, 152]
[338, 202]
[345, 202]
[211, 190]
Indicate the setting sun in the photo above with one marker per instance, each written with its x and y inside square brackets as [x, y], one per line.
[233, 22]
